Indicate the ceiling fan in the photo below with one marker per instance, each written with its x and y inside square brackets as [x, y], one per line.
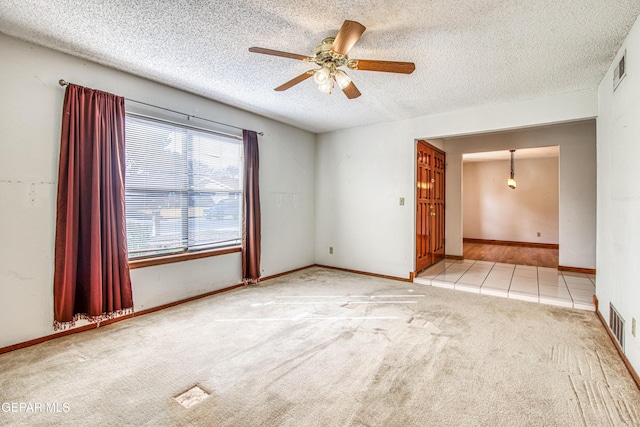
[330, 55]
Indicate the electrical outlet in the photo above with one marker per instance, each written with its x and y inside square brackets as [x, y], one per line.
[401, 201]
[331, 249]
[633, 327]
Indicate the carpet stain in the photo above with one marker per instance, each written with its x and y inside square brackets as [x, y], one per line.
[596, 402]
[585, 363]
[417, 320]
[587, 376]
[191, 397]
[300, 359]
[79, 356]
[393, 384]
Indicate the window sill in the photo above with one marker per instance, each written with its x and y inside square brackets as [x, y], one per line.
[168, 259]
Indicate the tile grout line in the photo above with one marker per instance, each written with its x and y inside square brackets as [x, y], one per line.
[486, 277]
[573, 302]
[465, 272]
[511, 280]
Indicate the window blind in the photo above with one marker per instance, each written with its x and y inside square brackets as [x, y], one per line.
[183, 188]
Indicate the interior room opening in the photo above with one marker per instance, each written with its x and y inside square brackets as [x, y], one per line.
[513, 225]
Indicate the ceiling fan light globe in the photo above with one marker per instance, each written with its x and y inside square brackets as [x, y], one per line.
[325, 87]
[322, 76]
[342, 79]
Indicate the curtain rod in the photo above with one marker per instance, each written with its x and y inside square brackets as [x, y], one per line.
[63, 82]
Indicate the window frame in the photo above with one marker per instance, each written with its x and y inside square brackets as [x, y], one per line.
[189, 253]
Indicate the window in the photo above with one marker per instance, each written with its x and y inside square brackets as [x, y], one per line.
[183, 188]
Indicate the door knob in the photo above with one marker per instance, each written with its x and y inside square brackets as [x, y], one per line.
[433, 214]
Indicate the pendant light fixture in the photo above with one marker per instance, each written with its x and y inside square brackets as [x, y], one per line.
[327, 75]
[511, 182]
[342, 79]
[322, 76]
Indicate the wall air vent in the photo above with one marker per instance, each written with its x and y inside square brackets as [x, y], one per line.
[616, 323]
[620, 71]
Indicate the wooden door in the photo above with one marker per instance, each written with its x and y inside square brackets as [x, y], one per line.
[430, 200]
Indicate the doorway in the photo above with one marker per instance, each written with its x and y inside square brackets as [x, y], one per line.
[430, 200]
[515, 225]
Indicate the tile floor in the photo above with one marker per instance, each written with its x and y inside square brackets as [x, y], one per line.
[522, 282]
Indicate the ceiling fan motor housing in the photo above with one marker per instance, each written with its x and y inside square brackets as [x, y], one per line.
[323, 55]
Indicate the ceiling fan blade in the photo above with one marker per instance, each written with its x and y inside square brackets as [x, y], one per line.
[278, 53]
[351, 91]
[384, 66]
[348, 35]
[302, 77]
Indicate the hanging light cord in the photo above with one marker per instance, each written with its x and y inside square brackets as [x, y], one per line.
[512, 167]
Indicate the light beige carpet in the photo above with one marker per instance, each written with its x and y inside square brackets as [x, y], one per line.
[327, 348]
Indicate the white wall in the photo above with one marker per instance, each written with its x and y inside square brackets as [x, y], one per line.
[362, 172]
[618, 271]
[493, 211]
[577, 197]
[30, 117]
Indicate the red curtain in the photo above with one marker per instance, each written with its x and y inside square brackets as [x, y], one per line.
[91, 278]
[251, 222]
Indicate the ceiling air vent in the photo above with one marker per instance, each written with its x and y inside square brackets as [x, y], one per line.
[620, 71]
[616, 323]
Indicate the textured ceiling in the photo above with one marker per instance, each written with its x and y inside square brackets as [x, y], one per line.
[523, 153]
[467, 53]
